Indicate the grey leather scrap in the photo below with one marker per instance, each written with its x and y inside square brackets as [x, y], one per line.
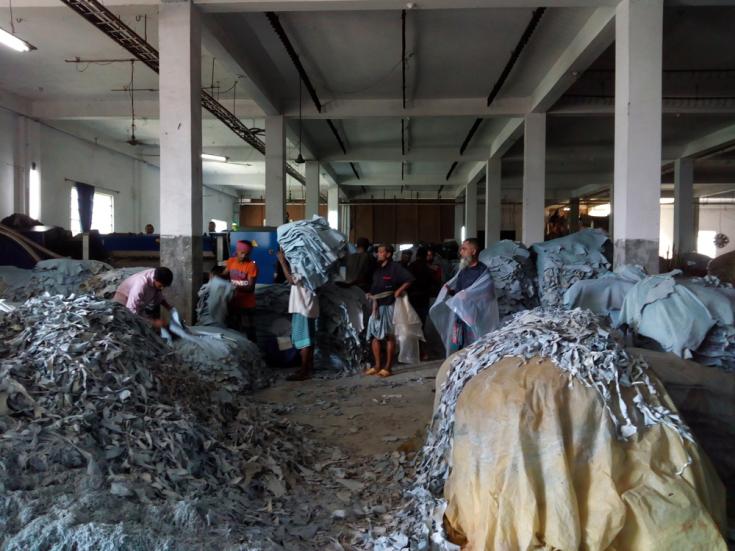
[513, 276]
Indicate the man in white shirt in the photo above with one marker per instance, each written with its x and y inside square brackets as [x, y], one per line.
[303, 305]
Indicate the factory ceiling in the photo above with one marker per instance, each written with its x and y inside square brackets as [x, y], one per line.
[401, 85]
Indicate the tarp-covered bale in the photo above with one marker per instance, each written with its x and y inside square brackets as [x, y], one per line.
[705, 396]
[562, 262]
[548, 434]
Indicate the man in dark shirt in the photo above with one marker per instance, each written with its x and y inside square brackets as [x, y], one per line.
[471, 269]
[390, 281]
[424, 286]
[360, 266]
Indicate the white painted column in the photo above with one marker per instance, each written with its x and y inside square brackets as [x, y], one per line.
[275, 170]
[470, 209]
[458, 221]
[684, 235]
[333, 206]
[312, 189]
[534, 178]
[637, 181]
[493, 208]
[179, 31]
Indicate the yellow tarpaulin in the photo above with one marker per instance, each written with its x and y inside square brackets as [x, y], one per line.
[535, 464]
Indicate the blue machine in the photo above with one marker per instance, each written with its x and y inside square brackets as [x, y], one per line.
[265, 247]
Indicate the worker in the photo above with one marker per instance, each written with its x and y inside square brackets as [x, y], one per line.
[211, 227]
[243, 272]
[142, 294]
[390, 281]
[406, 258]
[303, 305]
[471, 269]
[149, 229]
[361, 265]
[436, 270]
[422, 290]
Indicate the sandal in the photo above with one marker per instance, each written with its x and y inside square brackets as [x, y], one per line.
[371, 371]
[384, 373]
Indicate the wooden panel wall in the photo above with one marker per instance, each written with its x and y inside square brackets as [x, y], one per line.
[397, 223]
[252, 215]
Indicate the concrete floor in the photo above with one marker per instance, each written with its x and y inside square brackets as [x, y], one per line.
[363, 415]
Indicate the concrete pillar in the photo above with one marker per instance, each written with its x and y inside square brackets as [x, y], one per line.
[574, 214]
[684, 235]
[312, 189]
[179, 31]
[470, 209]
[493, 208]
[637, 181]
[534, 178]
[26, 153]
[458, 221]
[333, 206]
[275, 170]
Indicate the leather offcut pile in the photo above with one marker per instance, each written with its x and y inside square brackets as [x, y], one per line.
[312, 249]
[512, 272]
[564, 261]
[339, 345]
[692, 318]
[56, 277]
[105, 283]
[109, 441]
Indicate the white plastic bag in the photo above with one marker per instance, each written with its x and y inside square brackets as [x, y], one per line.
[407, 326]
[477, 307]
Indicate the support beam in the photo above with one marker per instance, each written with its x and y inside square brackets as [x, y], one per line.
[637, 181]
[534, 178]
[470, 209]
[458, 221]
[574, 214]
[684, 232]
[275, 170]
[493, 208]
[333, 206]
[312, 189]
[181, 147]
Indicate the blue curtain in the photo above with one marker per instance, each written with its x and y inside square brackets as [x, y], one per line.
[85, 200]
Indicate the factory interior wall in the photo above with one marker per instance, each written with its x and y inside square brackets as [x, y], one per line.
[7, 161]
[253, 214]
[712, 218]
[134, 183]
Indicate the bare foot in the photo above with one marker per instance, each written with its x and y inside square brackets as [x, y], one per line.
[372, 371]
[300, 375]
[384, 373]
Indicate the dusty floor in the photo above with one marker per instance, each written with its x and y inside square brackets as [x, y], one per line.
[367, 429]
[363, 415]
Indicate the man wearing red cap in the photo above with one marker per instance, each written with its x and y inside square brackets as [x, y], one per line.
[243, 272]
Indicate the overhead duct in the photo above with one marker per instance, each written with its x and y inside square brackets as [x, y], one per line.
[275, 23]
[525, 37]
[111, 25]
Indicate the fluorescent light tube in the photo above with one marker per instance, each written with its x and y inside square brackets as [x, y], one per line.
[210, 157]
[14, 43]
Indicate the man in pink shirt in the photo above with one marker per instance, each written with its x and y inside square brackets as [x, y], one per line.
[142, 293]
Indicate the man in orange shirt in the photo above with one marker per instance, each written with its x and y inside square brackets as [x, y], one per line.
[243, 272]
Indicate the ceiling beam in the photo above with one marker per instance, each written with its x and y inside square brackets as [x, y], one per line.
[442, 107]
[414, 180]
[711, 143]
[586, 106]
[232, 45]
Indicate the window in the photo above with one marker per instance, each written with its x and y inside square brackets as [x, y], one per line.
[706, 243]
[34, 193]
[219, 225]
[405, 246]
[103, 212]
